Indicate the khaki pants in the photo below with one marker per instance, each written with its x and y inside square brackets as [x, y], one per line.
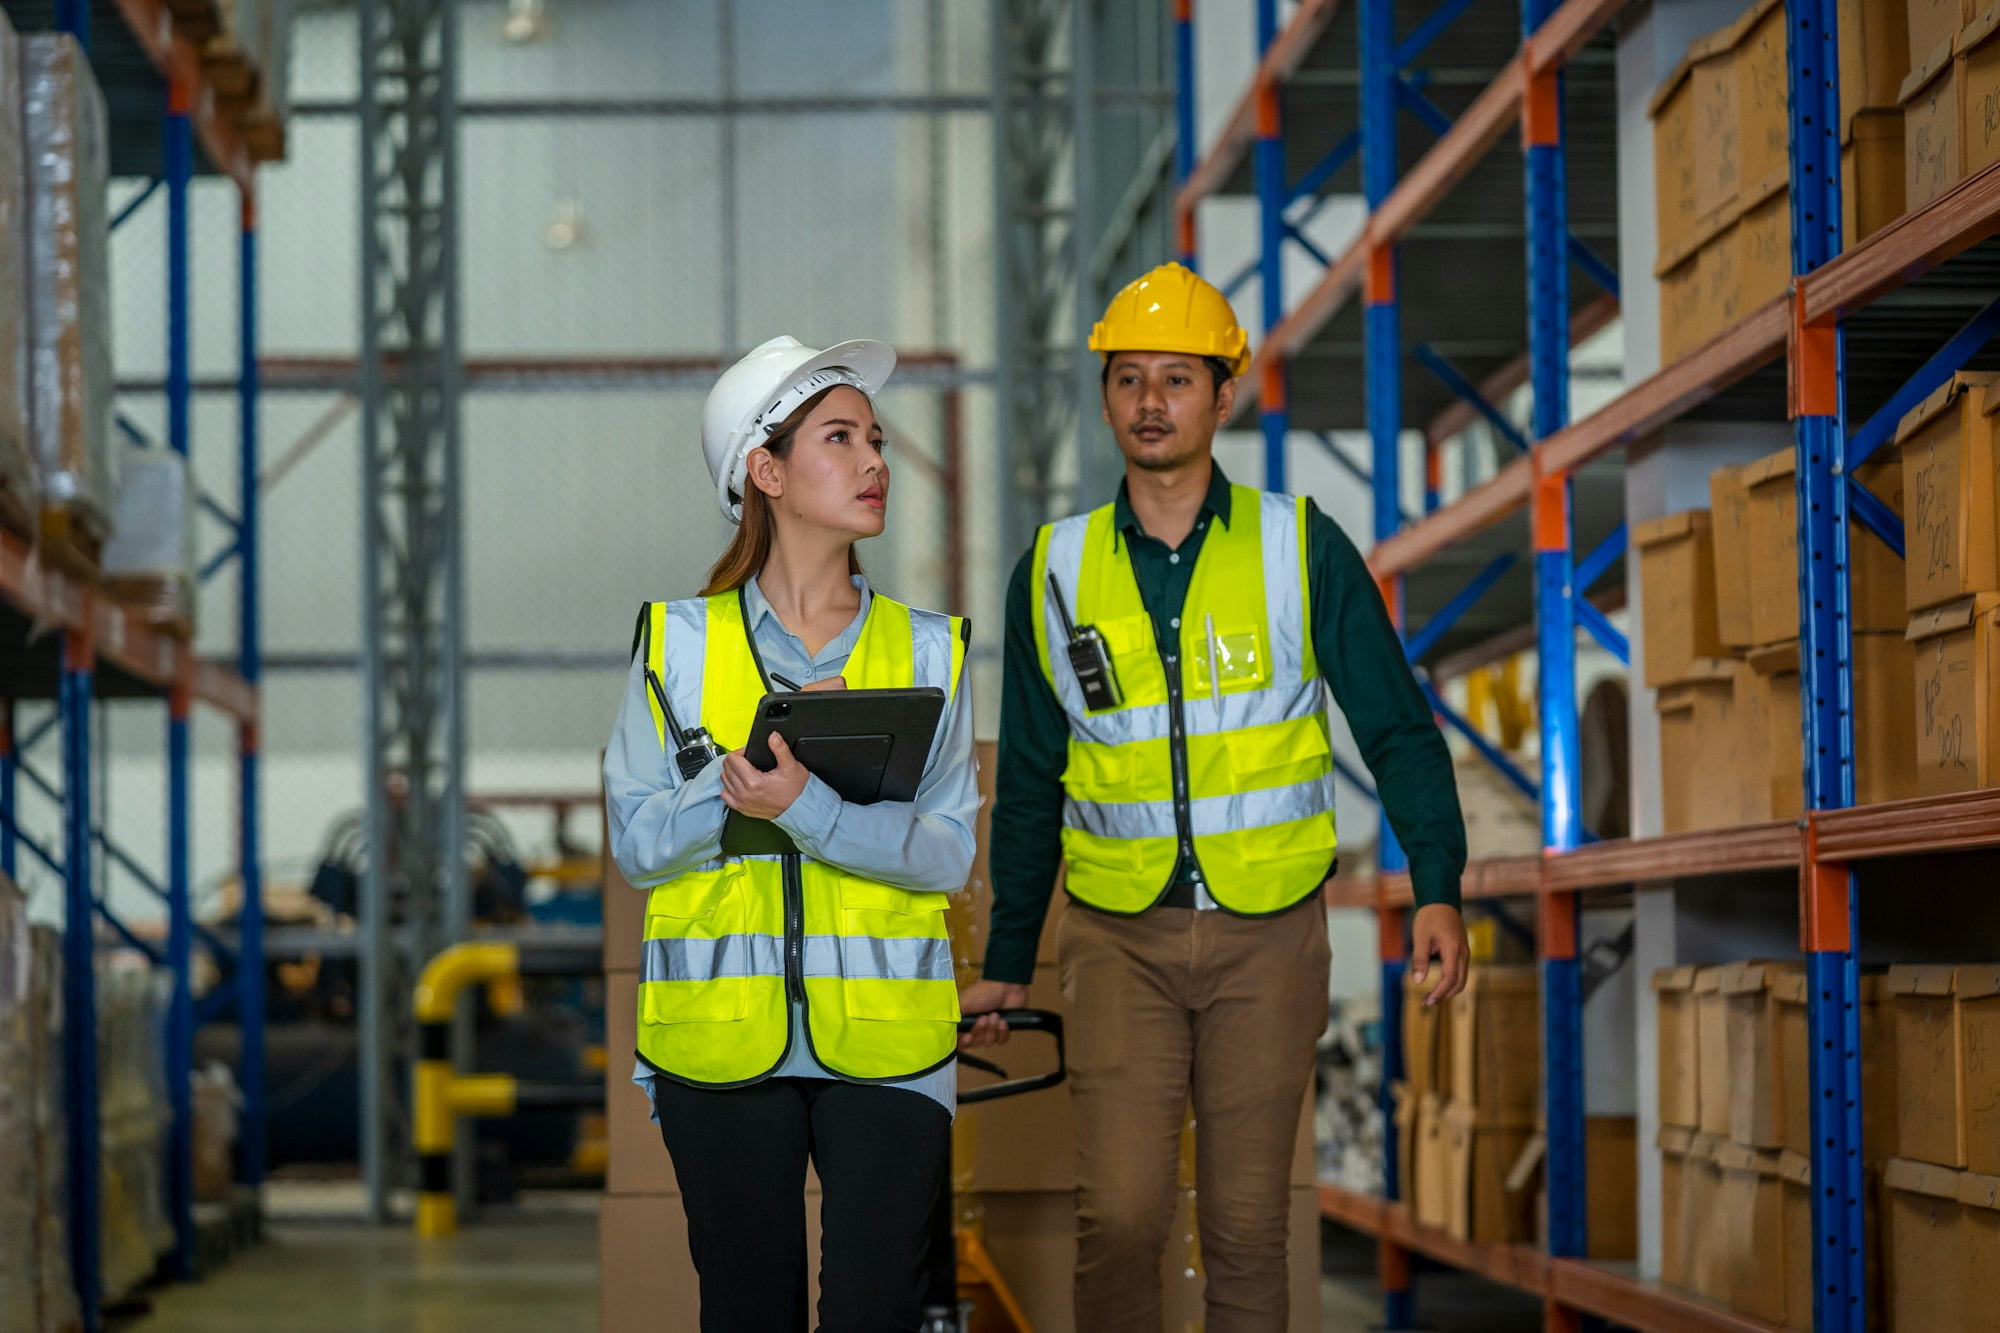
[1164, 1005]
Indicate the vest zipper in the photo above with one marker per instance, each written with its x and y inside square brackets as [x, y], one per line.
[1177, 747]
[795, 929]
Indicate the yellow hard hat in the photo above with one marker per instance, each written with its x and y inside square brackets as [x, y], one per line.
[1172, 310]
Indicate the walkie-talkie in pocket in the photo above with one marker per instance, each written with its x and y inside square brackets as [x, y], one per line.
[1089, 657]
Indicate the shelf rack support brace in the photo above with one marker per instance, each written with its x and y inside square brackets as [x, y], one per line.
[1543, 150]
[1454, 379]
[1826, 680]
[1383, 336]
[79, 976]
[1185, 147]
[249, 744]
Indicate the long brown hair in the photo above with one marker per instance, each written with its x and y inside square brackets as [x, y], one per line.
[751, 546]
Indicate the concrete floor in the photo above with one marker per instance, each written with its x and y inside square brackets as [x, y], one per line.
[534, 1270]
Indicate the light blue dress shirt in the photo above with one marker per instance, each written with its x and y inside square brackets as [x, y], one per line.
[662, 827]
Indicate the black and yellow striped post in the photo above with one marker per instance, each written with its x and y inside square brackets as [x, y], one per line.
[440, 1094]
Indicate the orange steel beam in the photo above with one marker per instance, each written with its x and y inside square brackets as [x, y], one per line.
[1909, 828]
[1624, 1299]
[1480, 508]
[1288, 51]
[1906, 248]
[1568, 31]
[179, 60]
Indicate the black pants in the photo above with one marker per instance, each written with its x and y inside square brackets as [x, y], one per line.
[741, 1158]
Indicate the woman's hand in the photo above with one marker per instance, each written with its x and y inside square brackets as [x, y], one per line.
[986, 999]
[820, 686]
[750, 791]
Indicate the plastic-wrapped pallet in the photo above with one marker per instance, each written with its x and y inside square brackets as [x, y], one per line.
[56, 1294]
[19, 1310]
[19, 499]
[133, 1121]
[217, 1104]
[149, 561]
[69, 297]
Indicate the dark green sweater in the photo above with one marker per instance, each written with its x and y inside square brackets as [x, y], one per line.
[1362, 662]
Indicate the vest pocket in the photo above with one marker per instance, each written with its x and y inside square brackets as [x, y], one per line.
[895, 954]
[1280, 754]
[697, 963]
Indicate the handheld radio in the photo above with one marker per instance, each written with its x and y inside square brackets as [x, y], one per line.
[1089, 657]
[697, 748]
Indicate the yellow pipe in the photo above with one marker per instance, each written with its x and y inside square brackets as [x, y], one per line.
[454, 969]
[437, 1215]
[486, 1095]
[431, 1115]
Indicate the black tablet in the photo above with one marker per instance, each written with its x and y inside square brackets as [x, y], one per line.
[868, 745]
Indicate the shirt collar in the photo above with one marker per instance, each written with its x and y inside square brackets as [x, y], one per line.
[1216, 502]
[759, 608]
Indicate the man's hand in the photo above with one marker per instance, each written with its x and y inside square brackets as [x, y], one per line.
[749, 790]
[1439, 932]
[985, 998]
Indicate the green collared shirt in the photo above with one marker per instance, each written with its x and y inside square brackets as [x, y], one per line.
[1363, 664]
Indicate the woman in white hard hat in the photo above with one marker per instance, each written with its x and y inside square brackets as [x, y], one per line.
[797, 1007]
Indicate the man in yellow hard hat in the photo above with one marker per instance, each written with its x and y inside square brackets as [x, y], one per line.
[1163, 731]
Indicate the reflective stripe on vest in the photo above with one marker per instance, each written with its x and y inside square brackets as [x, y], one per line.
[1258, 793]
[874, 961]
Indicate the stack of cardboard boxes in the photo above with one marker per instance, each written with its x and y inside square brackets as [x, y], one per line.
[1942, 1195]
[1949, 131]
[1014, 1160]
[1719, 597]
[1953, 583]
[1469, 1120]
[1735, 1137]
[1721, 134]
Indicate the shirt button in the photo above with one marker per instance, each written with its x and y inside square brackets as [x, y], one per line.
[1177, 622]
[1174, 559]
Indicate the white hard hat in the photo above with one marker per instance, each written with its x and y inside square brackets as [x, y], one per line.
[760, 391]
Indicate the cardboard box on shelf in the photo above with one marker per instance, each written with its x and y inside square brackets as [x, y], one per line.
[1406, 1141]
[1754, 699]
[1981, 1196]
[1885, 761]
[1978, 990]
[1751, 1208]
[1930, 1075]
[1878, 1073]
[1871, 172]
[1611, 1174]
[1933, 23]
[1711, 1008]
[1927, 1247]
[1433, 1165]
[1874, 57]
[1729, 521]
[1876, 571]
[1762, 102]
[1795, 1180]
[1712, 1231]
[1721, 271]
[1478, 1159]
[1957, 715]
[1677, 593]
[1685, 319]
[1933, 154]
[1675, 203]
[1948, 491]
[646, 1279]
[1764, 243]
[1718, 125]
[1495, 1045]
[1680, 1064]
[1978, 52]
[1762, 1064]
[1677, 1219]
[1427, 1060]
[1701, 745]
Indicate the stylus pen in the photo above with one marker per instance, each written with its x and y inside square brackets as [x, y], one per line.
[791, 685]
[1214, 667]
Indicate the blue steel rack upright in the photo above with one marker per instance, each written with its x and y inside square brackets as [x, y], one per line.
[96, 631]
[1807, 330]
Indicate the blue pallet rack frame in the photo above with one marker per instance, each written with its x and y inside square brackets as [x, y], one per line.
[1809, 330]
[183, 685]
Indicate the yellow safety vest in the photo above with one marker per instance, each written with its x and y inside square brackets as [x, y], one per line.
[727, 945]
[1242, 785]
